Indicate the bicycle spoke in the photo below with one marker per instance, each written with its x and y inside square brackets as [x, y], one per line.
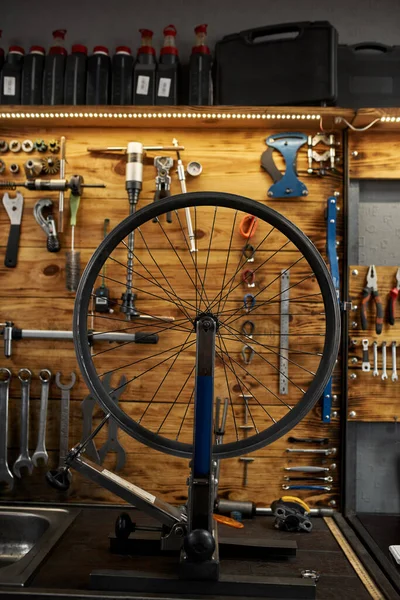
[185, 413]
[207, 259]
[227, 261]
[175, 401]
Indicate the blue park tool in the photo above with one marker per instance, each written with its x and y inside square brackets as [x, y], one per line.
[286, 185]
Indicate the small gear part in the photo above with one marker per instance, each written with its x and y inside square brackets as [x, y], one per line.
[50, 165]
[27, 146]
[33, 167]
[2, 166]
[54, 146]
[40, 146]
[15, 146]
[14, 168]
[3, 146]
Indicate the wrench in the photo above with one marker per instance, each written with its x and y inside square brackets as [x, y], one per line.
[40, 452]
[394, 363]
[384, 373]
[366, 365]
[315, 488]
[112, 444]
[64, 417]
[329, 479]
[326, 451]
[5, 473]
[375, 372]
[311, 469]
[24, 460]
[14, 208]
[87, 407]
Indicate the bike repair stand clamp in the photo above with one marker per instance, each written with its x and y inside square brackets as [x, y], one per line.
[331, 251]
[286, 185]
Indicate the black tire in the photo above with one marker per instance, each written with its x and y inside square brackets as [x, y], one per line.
[295, 235]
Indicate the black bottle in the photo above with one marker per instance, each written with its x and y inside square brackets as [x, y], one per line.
[122, 76]
[1, 54]
[11, 76]
[98, 77]
[200, 82]
[168, 70]
[32, 76]
[75, 76]
[144, 72]
[54, 70]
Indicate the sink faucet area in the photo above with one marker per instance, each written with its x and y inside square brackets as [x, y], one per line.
[27, 535]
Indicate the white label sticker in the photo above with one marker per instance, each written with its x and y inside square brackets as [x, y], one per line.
[137, 491]
[9, 86]
[142, 88]
[164, 86]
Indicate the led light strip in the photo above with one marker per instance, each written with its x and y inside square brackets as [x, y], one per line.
[390, 119]
[154, 115]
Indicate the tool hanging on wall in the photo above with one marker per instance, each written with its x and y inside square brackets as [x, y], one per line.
[41, 452]
[311, 469]
[10, 333]
[47, 223]
[310, 488]
[394, 293]
[366, 365]
[326, 160]
[394, 363]
[14, 208]
[73, 257]
[371, 291]
[286, 185]
[102, 302]
[5, 473]
[112, 444]
[248, 226]
[310, 440]
[182, 178]
[33, 167]
[61, 193]
[333, 261]
[24, 460]
[384, 369]
[284, 333]
[163, 164]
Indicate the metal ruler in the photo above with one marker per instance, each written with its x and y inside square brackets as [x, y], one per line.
[284, 334]
[353, 559]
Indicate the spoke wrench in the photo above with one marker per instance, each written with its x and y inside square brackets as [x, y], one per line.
[112, 444]
[24, 460]
[5, 474]
[41, 452]
[14, 208]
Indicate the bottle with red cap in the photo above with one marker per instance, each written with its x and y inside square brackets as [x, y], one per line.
[75, 76]
[54, 70]
[144, 72]
[200, 65]
[11, 76]
[168, 71]
[122, 76]
[32, 76]
[98, 77]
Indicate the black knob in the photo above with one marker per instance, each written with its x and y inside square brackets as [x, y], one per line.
[124, 526]
[199, 545]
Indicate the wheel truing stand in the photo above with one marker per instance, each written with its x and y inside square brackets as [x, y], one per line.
[191, 531]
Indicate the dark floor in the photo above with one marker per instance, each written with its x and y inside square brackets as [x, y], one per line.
[85, 547]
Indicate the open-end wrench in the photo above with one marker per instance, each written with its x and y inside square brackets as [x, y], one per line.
[24, 460]
[366, 365]
[325, 451]
[375, 372]
[14, 208]
[87, 407]
[311, 488]
[384, 372]
[395, 377]
[64, 416]
[328, 479]
[112, 444]
[5, 474]
[311, 469]
[40, 452]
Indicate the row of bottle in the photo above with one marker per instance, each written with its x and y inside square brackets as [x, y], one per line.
[77, 79]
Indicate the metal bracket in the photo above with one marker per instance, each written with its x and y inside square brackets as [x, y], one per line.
[285, 185]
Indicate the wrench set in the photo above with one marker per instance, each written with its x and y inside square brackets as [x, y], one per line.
[366, 366]
[312, 478]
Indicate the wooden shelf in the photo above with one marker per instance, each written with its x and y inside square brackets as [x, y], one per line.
[388, 118]
[228, 117]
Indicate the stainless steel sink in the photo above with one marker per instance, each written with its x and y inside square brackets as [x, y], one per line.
[27, 535]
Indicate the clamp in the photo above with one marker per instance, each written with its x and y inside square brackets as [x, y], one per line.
[47, 223]
[328, 155]
[286, 185]
[163, 164]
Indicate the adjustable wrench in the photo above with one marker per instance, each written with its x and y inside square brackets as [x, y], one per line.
[5, 473]
[375, 372]
[366, 365]
[14, 208]
[384, 373]
[394, 363]
[64, 417]
[24, 460]
[326, 451]
[112, 444]
[40, 452]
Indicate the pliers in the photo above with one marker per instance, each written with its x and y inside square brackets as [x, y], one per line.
[394, 292]
[371, 290]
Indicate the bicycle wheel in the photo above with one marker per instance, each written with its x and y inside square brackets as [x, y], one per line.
[170, 281]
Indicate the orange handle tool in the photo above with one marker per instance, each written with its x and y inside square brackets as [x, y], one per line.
[248, 226]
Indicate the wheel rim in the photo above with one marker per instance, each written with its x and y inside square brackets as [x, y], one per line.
[271, 219]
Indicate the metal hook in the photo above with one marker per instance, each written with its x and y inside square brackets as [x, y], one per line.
[248, 329]
[247, 354]
[248, 252]
[249, 302]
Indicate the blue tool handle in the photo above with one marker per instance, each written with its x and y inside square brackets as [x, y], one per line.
[316, 488]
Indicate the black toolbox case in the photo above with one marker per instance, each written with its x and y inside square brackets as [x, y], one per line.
[368, 75]
[300, 69]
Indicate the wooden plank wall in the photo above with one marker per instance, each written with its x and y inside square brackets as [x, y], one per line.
[34, 296]
[373, 155]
